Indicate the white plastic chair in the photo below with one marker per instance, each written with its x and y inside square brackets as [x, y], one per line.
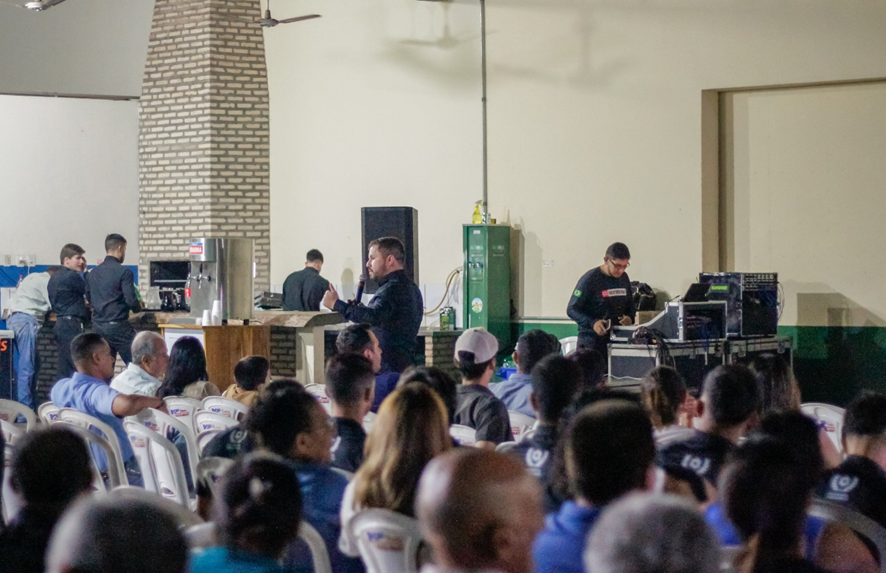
[318, 391]
[464, 435]
[505, 447]
[161, 423]
[206, 436]
[210, 471]
[204, 420]
[368, 420]
[93, 424]
[568, 345]
[47, 412]
[11, 501]
[10, 410]
[855, 521]
[160, 463]
[831, 418]
[225, 407]
[520, 424]
[92, 439]
[183, 516]
[389, 542]
[319, 554]
[183, 408]
[202, 535]
[11, 433]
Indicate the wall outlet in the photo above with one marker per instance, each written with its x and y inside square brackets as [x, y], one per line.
[22, 260]
[7, 260]
[32, 260]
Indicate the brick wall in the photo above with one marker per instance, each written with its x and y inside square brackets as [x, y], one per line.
[203, 132]
[283, 352]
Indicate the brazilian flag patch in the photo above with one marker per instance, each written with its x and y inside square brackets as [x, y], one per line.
[576, 293]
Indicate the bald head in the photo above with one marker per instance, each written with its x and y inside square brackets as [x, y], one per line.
[479, 509]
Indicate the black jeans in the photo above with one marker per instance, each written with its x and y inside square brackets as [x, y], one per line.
[119, 336]
[66, 329]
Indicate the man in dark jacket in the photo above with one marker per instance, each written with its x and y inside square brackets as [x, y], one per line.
[303, 290]
[67, 295]
[395, 312]
[110, 288]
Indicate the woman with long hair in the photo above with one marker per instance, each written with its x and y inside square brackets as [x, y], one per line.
[186, 373]
[663, 394]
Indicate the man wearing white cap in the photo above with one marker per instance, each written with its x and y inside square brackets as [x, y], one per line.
[478, 407]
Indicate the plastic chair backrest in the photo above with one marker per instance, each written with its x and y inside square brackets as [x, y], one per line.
[93, 424]
[830, 417]
[318, 391]
[10, 501]
[47, 412]
[389, 542]
[10, 410]
[855, 521]
[728, 555]
[161, 423]
[464, 435]
[183, 408]
[520, 424]
[91, 438]
[202, 535]
[368, 420]
[568, 345]
[162, 460]
[505, 447]
[204, 420]
[183, 516]
[11, 433]
[206, 436]
[225, 407]
[319, 554]
[210, 471]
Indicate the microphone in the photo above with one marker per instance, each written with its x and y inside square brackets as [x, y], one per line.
[360, 284]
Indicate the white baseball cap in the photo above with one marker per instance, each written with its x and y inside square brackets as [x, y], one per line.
[479, 341]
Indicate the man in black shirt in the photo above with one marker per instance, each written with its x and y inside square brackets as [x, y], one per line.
[67, 295]
[303, 290]
[602, 297]
[477, 406]
[395, 312]
[110, 288]
[349, 385]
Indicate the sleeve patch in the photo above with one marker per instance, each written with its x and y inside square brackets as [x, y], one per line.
[576, 293]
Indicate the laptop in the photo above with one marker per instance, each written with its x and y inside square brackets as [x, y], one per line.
[698, 292]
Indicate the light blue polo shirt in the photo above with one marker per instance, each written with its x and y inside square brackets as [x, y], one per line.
[514, 392]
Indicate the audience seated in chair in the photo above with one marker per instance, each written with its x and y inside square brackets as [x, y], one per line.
[250, 374]
[651, 533]
[478, 408]
[532, 346]
[50, 468]
[439, 381]
[291, 423]
[593, 368]
[88, 392]
[349, 385]
[359, 339]
[410, 430]
[726, 409]
[663, 395]
[186, 374]
[555, 380]
[113, 535]
[148, 366]
[257, 513]
[479, 511]
[609, 452]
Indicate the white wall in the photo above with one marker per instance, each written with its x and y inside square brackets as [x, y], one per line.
[68, 174]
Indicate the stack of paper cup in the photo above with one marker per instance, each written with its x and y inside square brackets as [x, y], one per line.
[216, 313]
[207, 318]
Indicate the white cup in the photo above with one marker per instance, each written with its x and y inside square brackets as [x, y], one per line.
[216, 307]
[216, 320]
[207, 318]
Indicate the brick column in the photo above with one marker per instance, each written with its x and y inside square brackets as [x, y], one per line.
[203, 132]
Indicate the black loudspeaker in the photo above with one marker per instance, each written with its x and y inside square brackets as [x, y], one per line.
[400, 222]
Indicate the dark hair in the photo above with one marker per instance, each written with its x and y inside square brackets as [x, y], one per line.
[354, 338]
[555, 381]
[609, 448]
[113, 242]
[469, 369]
[390, 246]
[765, 490]
[618, 251]
[84, 345]
[314, 255]
[51, 466]
[187, 364]
[348, 376]
[732, 394]
[592, 365]
[799, 431]
[68, 251]
[662, 392]
[441, 382]
[776, 381]
[534, 345]
[866, 415]
[251, 372]
[260, 505]
[281, 412]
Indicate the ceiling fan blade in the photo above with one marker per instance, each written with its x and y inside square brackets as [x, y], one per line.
[10, 3]
[298, 19]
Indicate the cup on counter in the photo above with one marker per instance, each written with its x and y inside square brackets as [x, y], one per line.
[207, 318]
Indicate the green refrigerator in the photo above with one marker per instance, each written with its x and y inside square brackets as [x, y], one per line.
[487, 278]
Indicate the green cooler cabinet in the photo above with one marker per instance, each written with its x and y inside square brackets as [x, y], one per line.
[486, 282]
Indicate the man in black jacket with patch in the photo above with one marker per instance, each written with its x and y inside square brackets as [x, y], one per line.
[303, 290]
[395, 312]
[110, 288]
[67, 295]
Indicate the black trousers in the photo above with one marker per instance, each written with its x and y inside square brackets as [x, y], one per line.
[119, 336]
[65, 330]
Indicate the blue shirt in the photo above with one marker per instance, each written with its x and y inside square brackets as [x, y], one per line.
[322, 490]
[715, 515]
[225, 560]
[385, 383]
[558, 548]
[94, 397]
[514, 392]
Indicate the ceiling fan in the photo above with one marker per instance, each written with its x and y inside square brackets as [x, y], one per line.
[267, 21]
[37, 5]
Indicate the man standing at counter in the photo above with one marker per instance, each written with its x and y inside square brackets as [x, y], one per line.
[602, 297]
[110, 288]
[395, 312]
[67, 295]
[303, 290]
